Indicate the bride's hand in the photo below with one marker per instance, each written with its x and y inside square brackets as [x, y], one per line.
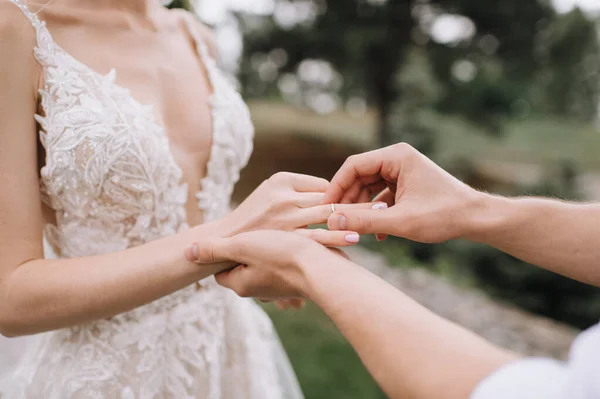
[272, 264]
[291, 202]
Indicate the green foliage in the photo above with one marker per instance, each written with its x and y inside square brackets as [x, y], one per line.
[520, 55]
[325, 363]
[185, 4]
[571, 80]
[532, 288]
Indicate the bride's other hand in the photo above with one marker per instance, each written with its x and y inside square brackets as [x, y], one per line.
[272, 264]
[290, 202]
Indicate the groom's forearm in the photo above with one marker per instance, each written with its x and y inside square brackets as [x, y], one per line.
[559, 236]
[411, 352]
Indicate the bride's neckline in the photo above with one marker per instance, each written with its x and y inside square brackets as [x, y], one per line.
[153, 117]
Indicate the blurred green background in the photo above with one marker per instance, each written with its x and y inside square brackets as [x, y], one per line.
[502, 93]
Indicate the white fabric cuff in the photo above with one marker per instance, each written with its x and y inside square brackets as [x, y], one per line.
[533, 378]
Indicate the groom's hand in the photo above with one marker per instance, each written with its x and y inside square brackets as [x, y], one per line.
[425, 203]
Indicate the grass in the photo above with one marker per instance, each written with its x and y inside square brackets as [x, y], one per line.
[533, 140]
[325, 363]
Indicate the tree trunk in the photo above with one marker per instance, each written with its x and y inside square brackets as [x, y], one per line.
[382, 89]
[385, 135]
[385, 61]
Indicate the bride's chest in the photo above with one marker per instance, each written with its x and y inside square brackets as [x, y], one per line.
[106, 150]
[164, 70]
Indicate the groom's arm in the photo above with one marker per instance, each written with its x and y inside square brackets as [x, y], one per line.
[559, 236]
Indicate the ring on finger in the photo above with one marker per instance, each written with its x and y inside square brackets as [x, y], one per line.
[332, 208]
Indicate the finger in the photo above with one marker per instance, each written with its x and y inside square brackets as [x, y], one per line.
[355, 167]
[209, 251]
[215, 255]
[389, 198]
[282, 304]
[308, 200]
[372, 190]
[364, 221]
[351, 195]
[225, 278]
[290, 303]
[239, 279]
[381, 237]
[331, 238]
[297, 303]
[320, 214]
[386, 196]
[361, 188]
[307, 184]
[364, 196]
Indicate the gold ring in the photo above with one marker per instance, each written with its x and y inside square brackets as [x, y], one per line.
[332, 207]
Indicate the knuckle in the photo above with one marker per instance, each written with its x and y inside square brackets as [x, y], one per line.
[364, 223]
[273, 202]
[351, 159]
[211, 253]
[404, 149]
[323, 181]
[280, 177]
[288, 199]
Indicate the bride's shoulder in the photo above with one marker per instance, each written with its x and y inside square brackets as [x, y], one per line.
[17, 35]
[204, 32]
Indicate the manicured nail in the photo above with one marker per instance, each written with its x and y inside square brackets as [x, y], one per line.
[352, 238]
[191, 253]
[379, 206]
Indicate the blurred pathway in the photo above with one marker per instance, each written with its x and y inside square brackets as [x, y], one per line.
[501, 324]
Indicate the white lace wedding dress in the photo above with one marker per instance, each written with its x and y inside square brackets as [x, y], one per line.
[113, 184]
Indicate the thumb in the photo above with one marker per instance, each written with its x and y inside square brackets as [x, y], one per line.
[211, 251]
[368, 221]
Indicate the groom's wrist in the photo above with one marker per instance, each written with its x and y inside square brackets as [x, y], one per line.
[487, 215]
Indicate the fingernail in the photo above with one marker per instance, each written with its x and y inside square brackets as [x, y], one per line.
[379, 206]
[191, 253]
[352, 238]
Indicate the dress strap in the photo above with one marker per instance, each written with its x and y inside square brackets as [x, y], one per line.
[45, 48]
[31, 16]
[201, 45]
[204, 53]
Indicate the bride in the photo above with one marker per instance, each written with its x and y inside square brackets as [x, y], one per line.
[105, 187]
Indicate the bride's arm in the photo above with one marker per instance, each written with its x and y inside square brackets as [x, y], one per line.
[37, 294]
[410, 351]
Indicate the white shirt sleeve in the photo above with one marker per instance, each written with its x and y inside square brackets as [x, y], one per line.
[533, 378]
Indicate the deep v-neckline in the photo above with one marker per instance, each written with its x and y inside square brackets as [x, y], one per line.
[154, 118]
